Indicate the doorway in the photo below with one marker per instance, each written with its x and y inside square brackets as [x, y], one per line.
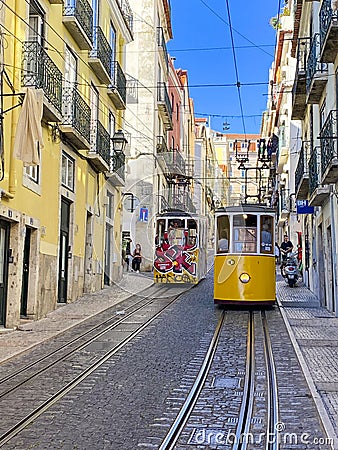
[64, 251]
[4, 249]
[25, 273]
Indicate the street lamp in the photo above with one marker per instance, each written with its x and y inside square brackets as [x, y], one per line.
[119, 141]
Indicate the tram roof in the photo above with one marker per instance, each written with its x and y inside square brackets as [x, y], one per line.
[247, 208]
[179, 213]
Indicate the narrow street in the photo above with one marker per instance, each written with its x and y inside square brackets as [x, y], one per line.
[133, 397]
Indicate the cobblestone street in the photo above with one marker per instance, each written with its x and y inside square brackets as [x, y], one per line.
[312, 329]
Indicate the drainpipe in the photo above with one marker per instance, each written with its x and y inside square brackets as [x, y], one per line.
[334, 252]
[12, 180]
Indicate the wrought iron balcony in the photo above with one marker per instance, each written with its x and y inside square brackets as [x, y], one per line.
[316, 72]
[171, 161]
[162, 44]
[117, 90]
[317, 193]
[100, 58]
[328, 22]
[76, 118]
[127, 13]
[181, 200]
[328, 149]
[117, 168]
[164, 106]
[99, 153]
[302, 171]
[283, 206]
[299, 85]
[40, 72]
[78, 19]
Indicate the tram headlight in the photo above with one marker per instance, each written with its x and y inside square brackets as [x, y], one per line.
[244, 277]
[231, 262]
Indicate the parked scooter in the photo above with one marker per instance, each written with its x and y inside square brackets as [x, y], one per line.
[290, 270]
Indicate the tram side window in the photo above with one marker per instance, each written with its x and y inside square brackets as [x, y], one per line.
[266, 234]
[160, 228]
[192, 233]
[245, 233]
[223, 230]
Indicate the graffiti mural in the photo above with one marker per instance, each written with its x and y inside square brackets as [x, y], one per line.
[176, 263]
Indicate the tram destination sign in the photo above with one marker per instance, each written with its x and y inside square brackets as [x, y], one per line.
[303, 207]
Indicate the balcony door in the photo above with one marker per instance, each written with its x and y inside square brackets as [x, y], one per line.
[69, 83]
[36, 23]
[94, 107]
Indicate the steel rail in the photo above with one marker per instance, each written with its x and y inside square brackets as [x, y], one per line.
[69, 343]
[245, 413]
[174, 432]
[273, 413]
[37, 412]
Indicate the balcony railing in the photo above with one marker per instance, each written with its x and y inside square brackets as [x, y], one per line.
[126, 13]
[40, 72]
[117, 90]
[299, 86]
[76, 118]
[316, 72]
[182, 201]
[171, 161]
[99, 153]
[328, 32]
[328, 146]
[117, 166]
[302, 171]
[164, 105]
[100, 58]
[78, 19]
[162, 44]
[317, 193]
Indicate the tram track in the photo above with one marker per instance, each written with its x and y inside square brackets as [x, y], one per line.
[257, 337]
[31, 410]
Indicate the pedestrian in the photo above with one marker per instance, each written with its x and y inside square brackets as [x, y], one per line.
[137, 258]
[286, 247]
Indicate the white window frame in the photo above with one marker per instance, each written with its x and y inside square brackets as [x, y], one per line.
[65, 158]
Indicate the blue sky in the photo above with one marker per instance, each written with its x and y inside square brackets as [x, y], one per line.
[201, 31]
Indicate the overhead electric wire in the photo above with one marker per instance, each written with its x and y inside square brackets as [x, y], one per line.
[238, 83]
[229, 25]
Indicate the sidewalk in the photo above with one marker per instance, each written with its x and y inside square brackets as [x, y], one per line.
[314, 334]
[31, 333]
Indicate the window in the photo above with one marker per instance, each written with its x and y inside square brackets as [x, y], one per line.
[33, 172]
[266, 234]
[110, 205]
[223, 230]
[245, 233]
[67, 172]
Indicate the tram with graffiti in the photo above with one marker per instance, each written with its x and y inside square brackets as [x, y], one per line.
[180, 248]
[244, 262]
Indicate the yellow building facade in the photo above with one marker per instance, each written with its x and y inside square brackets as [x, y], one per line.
[61, 176]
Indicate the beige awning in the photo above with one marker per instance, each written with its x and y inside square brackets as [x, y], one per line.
[28, 137]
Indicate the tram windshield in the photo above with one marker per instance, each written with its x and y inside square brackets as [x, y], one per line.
[245, 233]
[176, 232]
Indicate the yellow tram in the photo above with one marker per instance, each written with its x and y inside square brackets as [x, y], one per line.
[244, 264]
[180, 248]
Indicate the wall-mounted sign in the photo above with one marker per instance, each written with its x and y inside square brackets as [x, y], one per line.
[143, 215]
[303, 207]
